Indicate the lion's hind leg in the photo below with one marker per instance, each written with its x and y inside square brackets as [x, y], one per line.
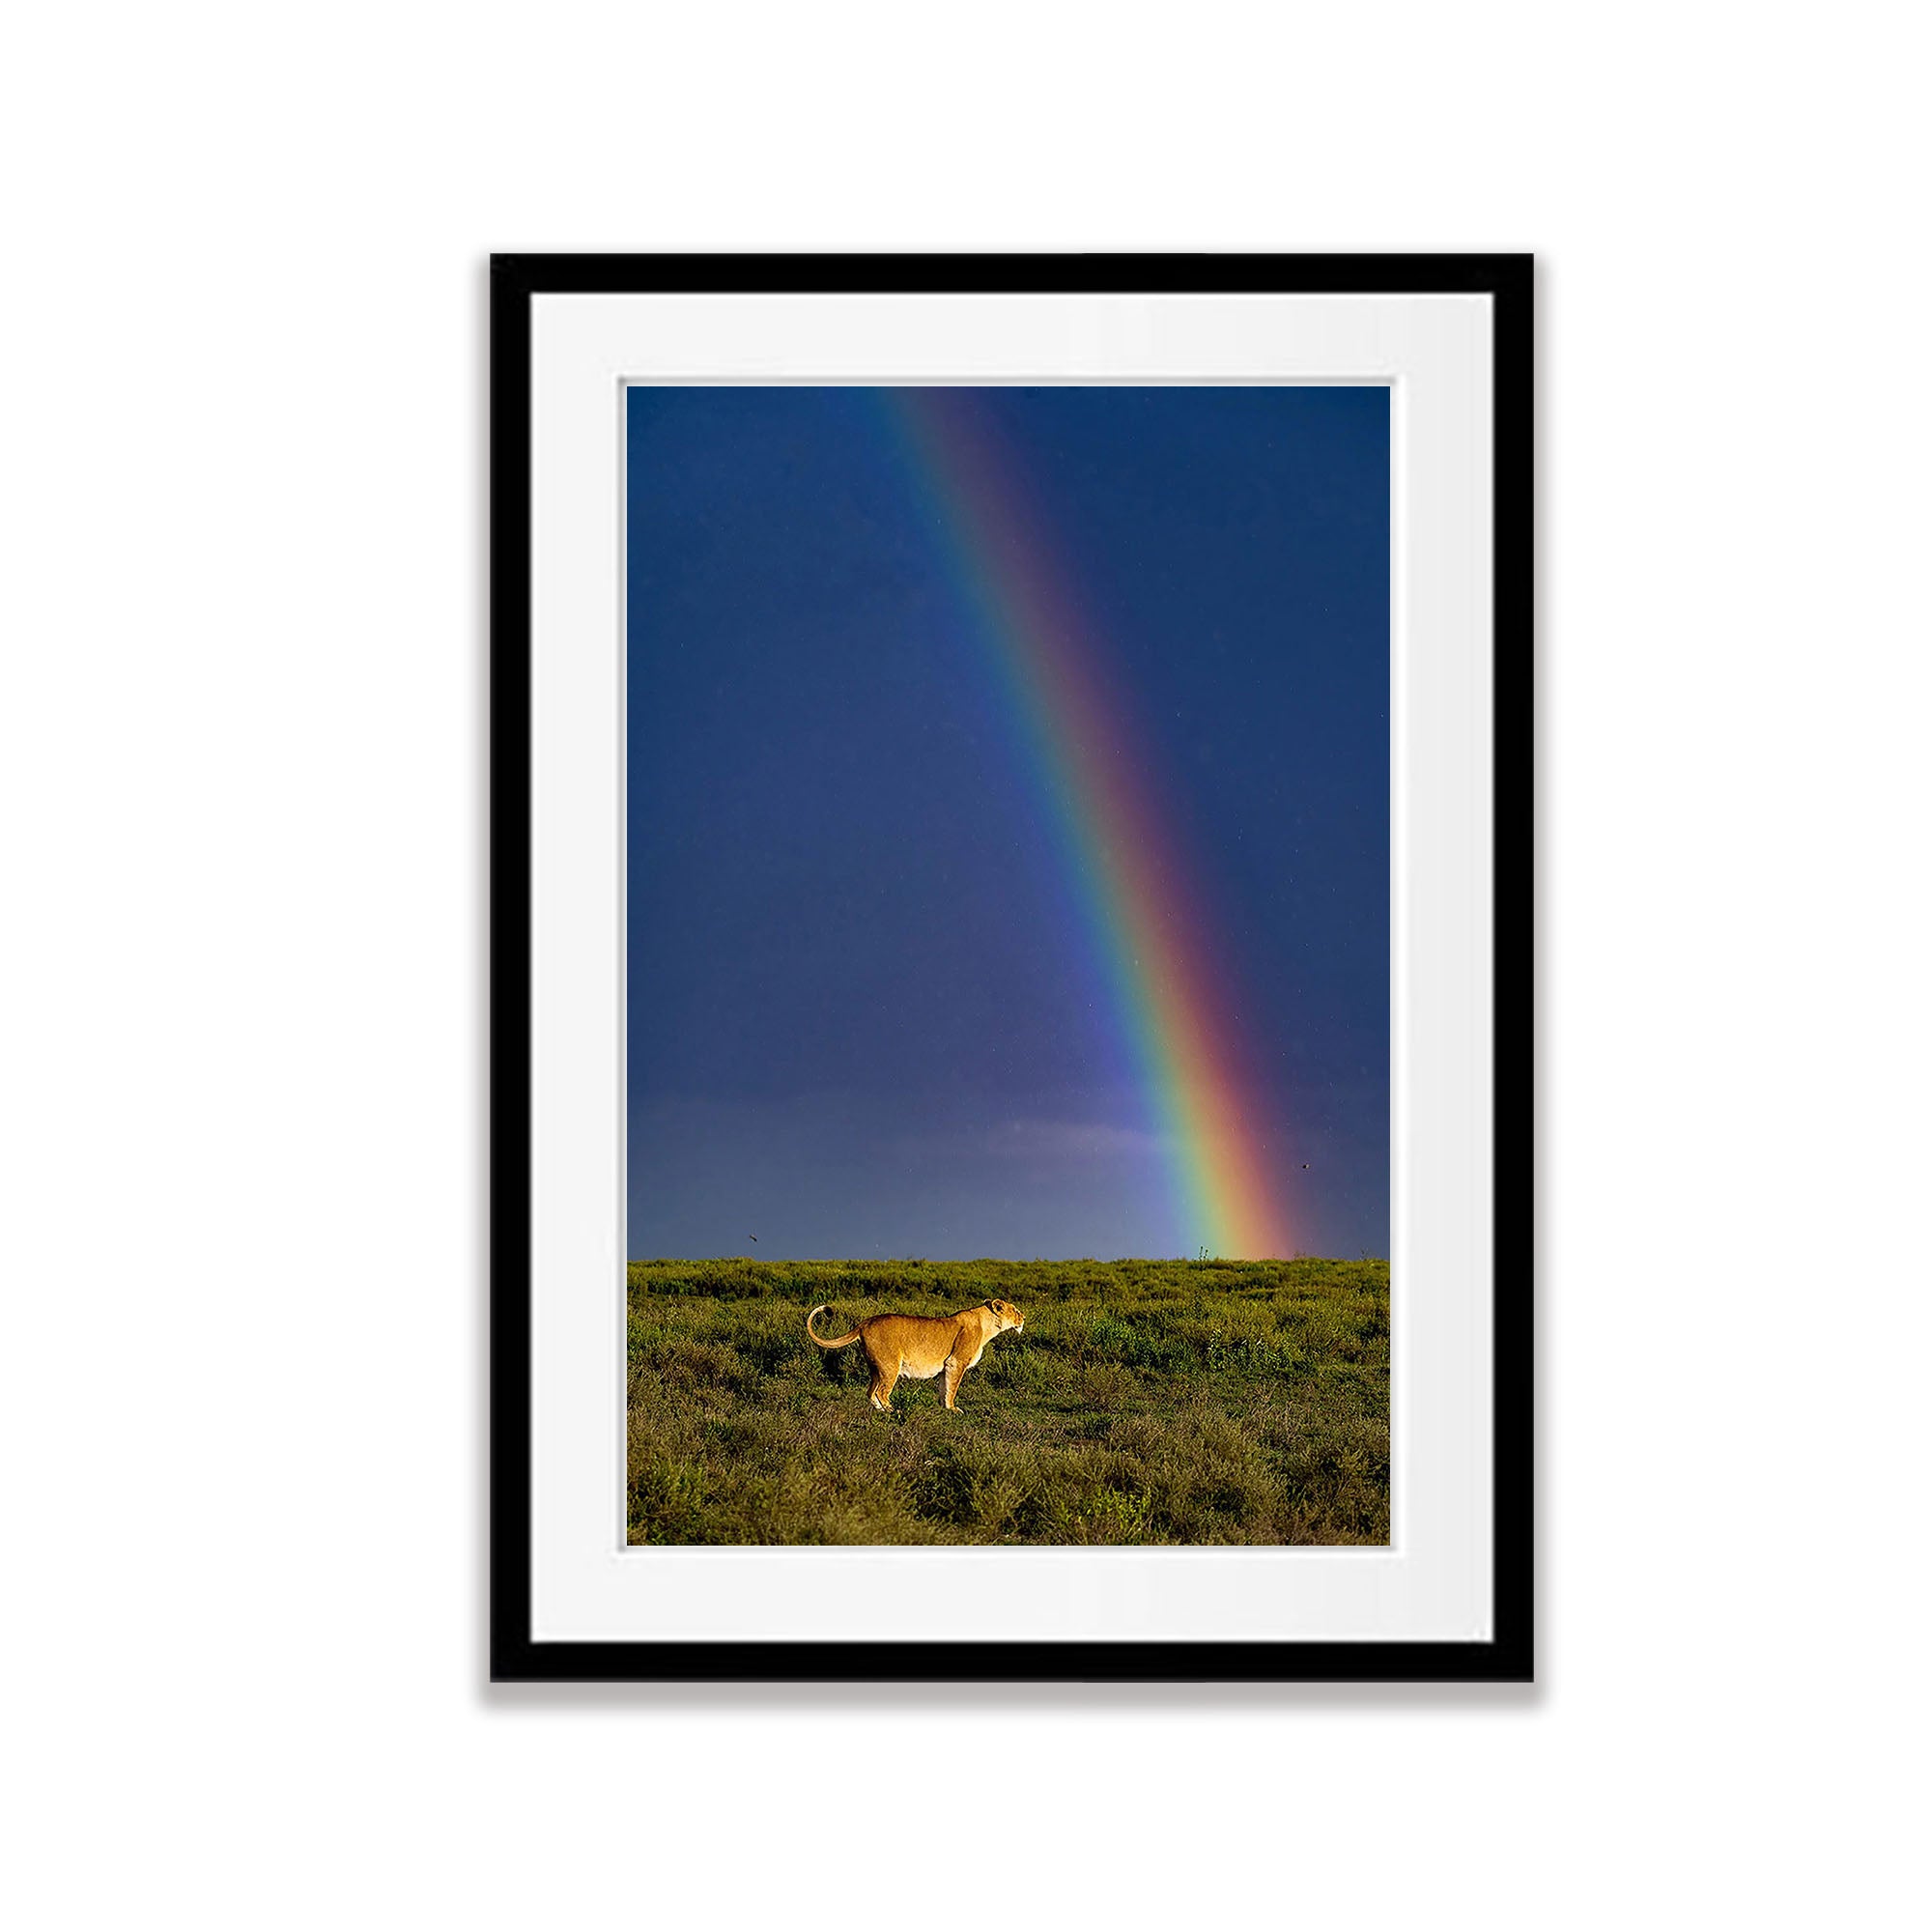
[885, 1374]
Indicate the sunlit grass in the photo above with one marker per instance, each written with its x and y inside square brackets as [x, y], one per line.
[1146, 1402]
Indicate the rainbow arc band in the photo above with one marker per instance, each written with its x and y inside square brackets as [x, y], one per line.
[1175, 1004]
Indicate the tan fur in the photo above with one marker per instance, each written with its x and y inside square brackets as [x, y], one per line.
[923, 1345]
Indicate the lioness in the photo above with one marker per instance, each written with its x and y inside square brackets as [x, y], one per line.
[923, 1345]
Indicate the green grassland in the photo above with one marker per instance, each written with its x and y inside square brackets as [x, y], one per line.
[1144, 1402]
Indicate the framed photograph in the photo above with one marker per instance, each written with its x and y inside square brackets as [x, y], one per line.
[1011, 967]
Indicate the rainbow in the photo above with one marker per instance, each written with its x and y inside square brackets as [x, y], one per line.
[1133, 885]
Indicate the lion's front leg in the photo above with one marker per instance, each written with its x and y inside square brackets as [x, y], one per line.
[956, 1364]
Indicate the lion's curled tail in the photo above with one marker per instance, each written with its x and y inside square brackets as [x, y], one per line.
[843, 1342]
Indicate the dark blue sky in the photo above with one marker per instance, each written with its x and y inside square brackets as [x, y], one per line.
[864, 1018]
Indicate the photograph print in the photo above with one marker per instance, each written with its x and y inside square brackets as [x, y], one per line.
[1007, 964]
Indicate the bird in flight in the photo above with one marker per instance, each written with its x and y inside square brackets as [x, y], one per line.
[753, 1238]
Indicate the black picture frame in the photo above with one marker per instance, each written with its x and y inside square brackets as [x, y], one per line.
[515, 1654]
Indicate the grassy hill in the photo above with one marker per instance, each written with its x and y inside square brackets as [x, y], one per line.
[1146, 1402]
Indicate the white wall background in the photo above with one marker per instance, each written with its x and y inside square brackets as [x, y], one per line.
[241, 620]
